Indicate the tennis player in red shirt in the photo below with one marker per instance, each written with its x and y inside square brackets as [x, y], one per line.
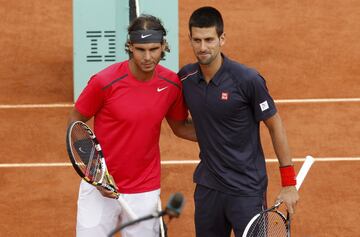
[128, 101]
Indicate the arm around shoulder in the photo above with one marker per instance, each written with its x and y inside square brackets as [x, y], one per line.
[183, 129]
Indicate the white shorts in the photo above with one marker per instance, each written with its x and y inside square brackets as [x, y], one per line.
[97, 216]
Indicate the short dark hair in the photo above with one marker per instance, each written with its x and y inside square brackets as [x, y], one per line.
[147, 22]
[205, 17]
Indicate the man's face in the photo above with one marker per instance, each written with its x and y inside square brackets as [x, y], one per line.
[146, 56]
[206, 44]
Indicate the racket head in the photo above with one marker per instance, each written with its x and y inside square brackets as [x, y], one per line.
[269, 223]
[85, 153]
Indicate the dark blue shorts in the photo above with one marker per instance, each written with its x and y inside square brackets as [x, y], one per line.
[217, 213]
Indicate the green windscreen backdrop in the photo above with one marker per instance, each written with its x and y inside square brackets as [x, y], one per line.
[100, 32]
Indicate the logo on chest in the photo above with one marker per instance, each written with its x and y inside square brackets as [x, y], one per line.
[160, 89]
[224, 96]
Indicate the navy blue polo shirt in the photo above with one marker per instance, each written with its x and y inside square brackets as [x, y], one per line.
[226, 114]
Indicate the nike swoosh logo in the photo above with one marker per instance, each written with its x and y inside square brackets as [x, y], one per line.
[145, 36]
[161, 89]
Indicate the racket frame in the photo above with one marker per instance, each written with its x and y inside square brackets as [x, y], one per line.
[309, 160]
[273, 209]
[109, 184]
[104, 172]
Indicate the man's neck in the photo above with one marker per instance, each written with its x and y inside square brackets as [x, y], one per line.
[211, 69]
[139, 74]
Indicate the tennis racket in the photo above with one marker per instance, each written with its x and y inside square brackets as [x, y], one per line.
[88, 161]
[271, 222]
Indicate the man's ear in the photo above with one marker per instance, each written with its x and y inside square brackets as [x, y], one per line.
[131, 47]
[222, 39]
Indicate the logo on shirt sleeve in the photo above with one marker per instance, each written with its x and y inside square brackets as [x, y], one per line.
[264, 106]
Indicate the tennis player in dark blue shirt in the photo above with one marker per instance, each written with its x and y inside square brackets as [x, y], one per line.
[227, 102]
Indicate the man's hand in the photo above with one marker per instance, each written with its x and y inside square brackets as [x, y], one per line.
[106, 193]
[289, 195]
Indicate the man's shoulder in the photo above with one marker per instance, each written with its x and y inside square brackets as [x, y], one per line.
[167, 75]
[240, 69]
[187, 71]
[165, 72]
[242, 74]
[113, 70]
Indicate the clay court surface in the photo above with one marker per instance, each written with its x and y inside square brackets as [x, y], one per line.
[308, 51]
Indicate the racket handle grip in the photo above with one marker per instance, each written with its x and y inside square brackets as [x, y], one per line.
[132, 216]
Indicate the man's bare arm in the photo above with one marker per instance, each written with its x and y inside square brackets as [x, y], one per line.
[183, 129]
[288, 194]
[76, 116]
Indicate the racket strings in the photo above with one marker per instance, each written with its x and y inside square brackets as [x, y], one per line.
[87, 158]
[267, 225]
